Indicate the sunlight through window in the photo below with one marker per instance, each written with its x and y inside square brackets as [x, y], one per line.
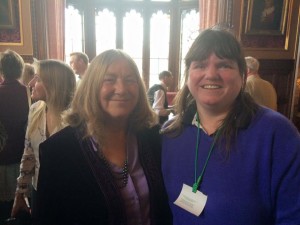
[73, 32]
[105, 30]
[133, 36]
[190, 30]
[159, 45]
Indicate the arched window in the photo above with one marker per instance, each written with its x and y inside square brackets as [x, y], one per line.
[155, 33]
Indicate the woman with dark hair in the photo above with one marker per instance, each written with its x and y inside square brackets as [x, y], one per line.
[105, 167]
[226, 160]
[13, 117]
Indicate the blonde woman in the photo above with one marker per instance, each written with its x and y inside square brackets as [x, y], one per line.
[105, 167]
[52, 87]
[27, 74]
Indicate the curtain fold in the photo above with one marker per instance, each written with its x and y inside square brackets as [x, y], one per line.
[209, 10]
[56, 28]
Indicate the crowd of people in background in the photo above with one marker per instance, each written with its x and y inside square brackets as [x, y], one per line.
[85, 143]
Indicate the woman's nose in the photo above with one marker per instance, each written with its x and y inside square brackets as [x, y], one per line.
[211, 71]
[120, 86]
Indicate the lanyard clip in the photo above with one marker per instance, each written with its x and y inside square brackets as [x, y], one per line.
[195, 187]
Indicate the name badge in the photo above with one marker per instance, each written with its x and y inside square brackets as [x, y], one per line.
[190, 201]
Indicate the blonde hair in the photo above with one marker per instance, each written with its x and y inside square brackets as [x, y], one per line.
[59, 82]
[27, 75]
[86, 110]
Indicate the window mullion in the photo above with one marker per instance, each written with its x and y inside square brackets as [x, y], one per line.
[119, 30]
[146, 48]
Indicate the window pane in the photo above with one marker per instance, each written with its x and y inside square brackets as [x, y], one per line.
[133, 36]
[73, 32]
[189, 31]
[105, 31]
[159, 45]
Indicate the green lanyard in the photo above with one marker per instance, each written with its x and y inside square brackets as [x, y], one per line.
[198, 181]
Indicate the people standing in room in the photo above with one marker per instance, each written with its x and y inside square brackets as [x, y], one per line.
[53, 87]
[157, 96]
[27, 74]
[13, 118]
[261, 90]
[26, 77]
[225, 159]
[79, 62]
[105, 167]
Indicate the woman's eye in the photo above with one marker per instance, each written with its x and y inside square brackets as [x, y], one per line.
[225, 65]
[130, 80]
[198, 66]
[109, 79]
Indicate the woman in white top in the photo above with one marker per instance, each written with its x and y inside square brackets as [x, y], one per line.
[53, 88]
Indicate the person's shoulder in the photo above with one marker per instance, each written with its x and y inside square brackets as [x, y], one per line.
[274, 121]
[65, 137]
[154, 130]
[155, 87]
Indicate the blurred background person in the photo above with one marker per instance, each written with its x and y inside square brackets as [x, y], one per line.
[105, 167]
[262, 91]
[225, 159]
[26, 77]
[79, 62]
[13, 117]
[157, 95]
[53, 87]
[27, 74]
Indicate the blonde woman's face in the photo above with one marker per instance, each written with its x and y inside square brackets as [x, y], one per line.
[119, 93]
[38, 89]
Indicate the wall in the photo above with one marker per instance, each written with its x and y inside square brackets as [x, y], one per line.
[276, 52]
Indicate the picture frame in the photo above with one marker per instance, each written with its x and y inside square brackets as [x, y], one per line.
[7, 14]
[266, 17]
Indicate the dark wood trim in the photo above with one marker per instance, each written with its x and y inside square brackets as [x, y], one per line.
[39, 28]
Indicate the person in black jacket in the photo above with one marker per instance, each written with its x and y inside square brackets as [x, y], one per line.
[105, 167]
[13, 117]
[157, 96]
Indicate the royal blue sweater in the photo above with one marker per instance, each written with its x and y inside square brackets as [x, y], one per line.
[257, 184]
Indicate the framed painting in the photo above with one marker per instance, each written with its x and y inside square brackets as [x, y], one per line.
[7, 14]
[266, 17]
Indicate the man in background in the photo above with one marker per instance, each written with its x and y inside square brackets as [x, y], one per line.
[79, 62]
[261, 90]
[157, 95]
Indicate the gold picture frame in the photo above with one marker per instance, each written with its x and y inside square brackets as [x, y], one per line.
[266, 17]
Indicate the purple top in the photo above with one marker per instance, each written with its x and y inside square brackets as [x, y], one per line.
[136, 193]
[257, 184]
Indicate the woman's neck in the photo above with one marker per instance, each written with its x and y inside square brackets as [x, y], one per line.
[211, 122]
[115, 145]
[53, 120]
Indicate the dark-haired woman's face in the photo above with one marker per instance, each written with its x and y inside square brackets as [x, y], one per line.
[214, 83]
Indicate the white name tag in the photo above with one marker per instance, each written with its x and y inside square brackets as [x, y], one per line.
[190, 201]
